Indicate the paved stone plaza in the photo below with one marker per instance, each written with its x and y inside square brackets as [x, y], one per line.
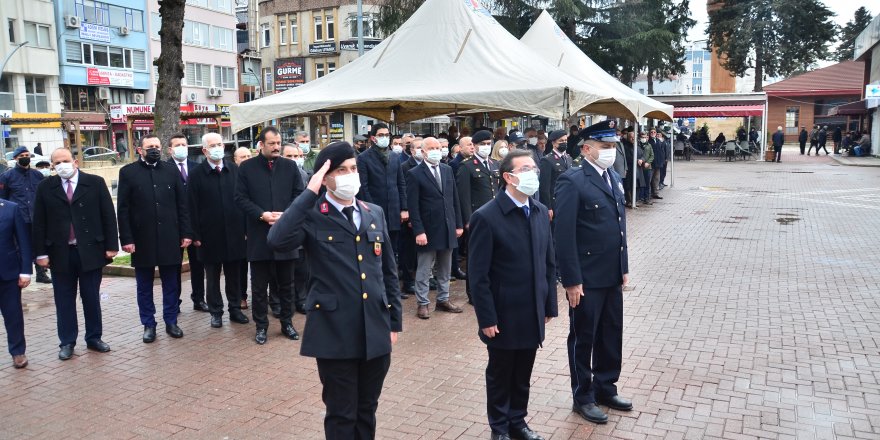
[752, 313]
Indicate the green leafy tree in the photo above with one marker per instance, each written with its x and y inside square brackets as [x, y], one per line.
[775, 37]
[849, 32]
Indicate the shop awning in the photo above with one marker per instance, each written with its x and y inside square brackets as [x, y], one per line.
[718, 111]
[853, 108]
[92, 127]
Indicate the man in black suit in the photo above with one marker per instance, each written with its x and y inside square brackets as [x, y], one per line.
[178, 150]
[75, 234]
[477, 183]
[353, 301]
[300, 264]
[591, 251]
[512, 266]
[218, 227]
[267, 184]
[382, 180]
[153, 226]
[407, 245]
[436, 221]
[552, 165]
[15, 274]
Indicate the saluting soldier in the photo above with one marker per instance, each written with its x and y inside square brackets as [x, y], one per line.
[353, 303]
[552, 165]
[591, 250]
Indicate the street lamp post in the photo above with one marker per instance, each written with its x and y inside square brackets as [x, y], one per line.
[260, 83]
[2, 68]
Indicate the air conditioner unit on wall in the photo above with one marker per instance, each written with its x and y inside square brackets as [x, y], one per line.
[138, 98]
[124, 30]
[215, 92]
[72, 21]
[191, 97]
[103, 93]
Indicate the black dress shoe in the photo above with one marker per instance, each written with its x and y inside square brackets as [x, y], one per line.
[591, 412]
[499, 437]
[432, 283]
[301, 309]
[99, 346]
[616, 402]
[216, 321]
[149, 334]
[261, 336]
[656, 196]
[457, 273]
[404, 295]
[288, 330]
[524, 433]
[66, 352]
[173, 330]
[276, 311]
[44, 279]
[200, 306]
[238, 316]
[409, 287]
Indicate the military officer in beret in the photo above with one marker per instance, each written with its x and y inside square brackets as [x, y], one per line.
[591, 253]
[353, 303]
[477, 182]
[552, 165]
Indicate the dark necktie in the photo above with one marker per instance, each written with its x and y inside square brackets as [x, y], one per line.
[349, 214]
[72, 237]
[217, 168]
[437, 176]
[182, 171]
[526, 210]
[607, 180]
[270, 165]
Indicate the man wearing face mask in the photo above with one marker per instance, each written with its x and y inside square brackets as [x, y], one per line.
[218, 228]
[407, 238]
[178, 149]
[648, 154]
[444, 148]
[153, 227]
[75, 234]
[383, 182]
[267, 184]
[301, 264]
[465, 151]
[592, 261]
[44, 167]
[353, 303]
[436, 221]
[18, 184]
[360, 143]
[304, 142]
[477, 182]
[552, 166]
[397, 147]
[511, 245]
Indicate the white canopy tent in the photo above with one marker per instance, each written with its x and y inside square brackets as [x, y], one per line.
[548, 41]
[457, 58]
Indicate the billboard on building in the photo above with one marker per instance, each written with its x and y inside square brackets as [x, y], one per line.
[289, 73]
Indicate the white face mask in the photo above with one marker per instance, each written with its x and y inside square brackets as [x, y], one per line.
[300, 161]
[528, 182]
[65, 170]
[304, 147]
[179, 153]
[347, 186]
[434, 156]
[45, 172]
[503, 151]
[215, 153]
[397, 148]
[382, 141]
[606, 158]
[419, 154]
[445, 151]
[484, 150]
[533, 141]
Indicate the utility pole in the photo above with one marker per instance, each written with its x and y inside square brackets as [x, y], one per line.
[360, 27]
[2, 68]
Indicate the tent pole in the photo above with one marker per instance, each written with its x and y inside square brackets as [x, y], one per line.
[764, 130]
[671, 141]
[635, 163]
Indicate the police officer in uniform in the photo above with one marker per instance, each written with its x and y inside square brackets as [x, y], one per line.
[477, 182]
[591, 250]
[353, 303]
[553, 164]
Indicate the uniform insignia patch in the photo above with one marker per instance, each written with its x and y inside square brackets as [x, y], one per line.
[377, 249]
[620, 186]
[325, 208]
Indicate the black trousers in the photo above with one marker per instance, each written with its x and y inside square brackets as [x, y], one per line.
[13, 316]
[231, 270]
[64, 286]
[596, 331]
[263, 273]
[821, 146]
[351, 395]
[243, 278]
[196, 274]
[778, 153]
[407, 260]
[803, 147]
[508, 377]
[300, 278]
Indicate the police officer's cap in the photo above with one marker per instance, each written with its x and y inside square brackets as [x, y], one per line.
[605, 131]
[555, 135]
[337, 153]
[481, 136]
[359, 138]
[18, 151]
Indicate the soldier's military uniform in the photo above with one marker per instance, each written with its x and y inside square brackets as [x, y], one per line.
[477, 183]
[552, 166]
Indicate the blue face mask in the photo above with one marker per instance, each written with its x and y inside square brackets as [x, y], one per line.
[305, 147]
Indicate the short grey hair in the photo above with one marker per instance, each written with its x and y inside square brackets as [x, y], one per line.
[302, 133]
[209, 135]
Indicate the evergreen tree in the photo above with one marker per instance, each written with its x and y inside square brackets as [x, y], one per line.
[848, 34]
[776, 37]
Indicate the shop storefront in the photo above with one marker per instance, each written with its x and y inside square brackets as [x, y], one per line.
[193, 129]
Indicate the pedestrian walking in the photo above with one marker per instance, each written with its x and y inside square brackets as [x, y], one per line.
[814, 140]
[802, 139]
[18, 184]
[836, 138]
[15, 274]
[354, 312]
[823, 139]
[778, 140]
[592, 261]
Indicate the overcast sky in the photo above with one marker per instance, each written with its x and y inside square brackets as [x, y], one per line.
[843, 8]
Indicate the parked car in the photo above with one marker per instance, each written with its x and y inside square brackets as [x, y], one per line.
[91, 154]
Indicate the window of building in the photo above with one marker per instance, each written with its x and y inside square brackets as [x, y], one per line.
[698, 74]
[224, 77]
[698, 58]
[319, 29]
[86, 53]
[267, 80]
[6, 97]
[198, 75]
[792, 120]
[100, 55]
[116, 57]
[102, 13]
[282, 32]
[698, 88]
[138, 59]
[331, 67]
[369, 25]
[319, 70]
[221, 38]
[10, 25]
[266, 33]
[196, 34]
[35, 94]
[331, 31]
[220, 5]
[294, 31]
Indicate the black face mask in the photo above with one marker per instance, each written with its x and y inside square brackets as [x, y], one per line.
[562, 147]
[24, 161]
[153, 155]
